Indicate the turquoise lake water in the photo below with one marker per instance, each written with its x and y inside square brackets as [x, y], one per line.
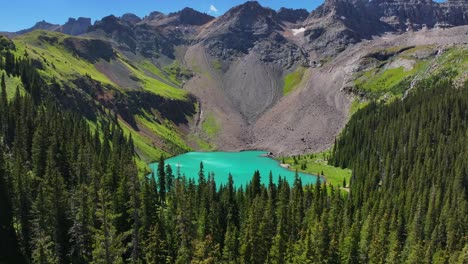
[241, 165]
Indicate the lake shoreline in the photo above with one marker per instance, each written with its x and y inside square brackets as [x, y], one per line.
[241, 165]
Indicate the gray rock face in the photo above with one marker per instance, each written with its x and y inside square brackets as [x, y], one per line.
[76, 27]
[251, 28]
[71, 27]
[155, 35]
[155, 16]
[338, 23]
[114, 28]
[189, 16]
[41, 25]
[417, 14]
[131, 19]
[292, 15]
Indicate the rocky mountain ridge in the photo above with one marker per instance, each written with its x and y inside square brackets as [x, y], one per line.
[267, 79]
[344, 22]
[72, 27]
[327, 30]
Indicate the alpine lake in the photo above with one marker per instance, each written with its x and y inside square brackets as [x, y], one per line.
[241, 165]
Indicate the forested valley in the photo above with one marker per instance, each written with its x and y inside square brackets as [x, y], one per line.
[72, 193]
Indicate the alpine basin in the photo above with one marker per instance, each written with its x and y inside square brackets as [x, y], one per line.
[241, 165]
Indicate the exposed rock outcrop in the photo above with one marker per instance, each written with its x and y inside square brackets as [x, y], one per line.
[251, 28]
[337, 23]
[189, 16]
[131, 19]
[292, 15]
[91, 50]
[41, 25]
[75, 27]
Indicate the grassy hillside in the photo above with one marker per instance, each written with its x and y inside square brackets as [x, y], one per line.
[392, 71]
[92, 73]
[292, 80]
[317, 164]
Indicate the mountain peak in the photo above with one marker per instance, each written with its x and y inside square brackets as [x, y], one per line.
[250, 15]
[189, 16]
[41, 25]
[250, 7]
[155, 15]
[130, 18]
[110, 24]
[292, 15]
[76, 26]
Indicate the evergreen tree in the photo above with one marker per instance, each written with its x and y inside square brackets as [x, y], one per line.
[108, 244]
[44, 249]
[162, 180]
[9, 250]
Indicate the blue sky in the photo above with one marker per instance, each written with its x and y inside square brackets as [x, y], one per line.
[21, 14]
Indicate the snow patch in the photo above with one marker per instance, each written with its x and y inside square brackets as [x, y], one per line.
[297, 31]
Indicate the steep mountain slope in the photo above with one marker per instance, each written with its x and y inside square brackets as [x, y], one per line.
[254, 77]
[245, 57]
[318, 109]
[153, 36]
[337, 23]
[92, 77]
[241, 58]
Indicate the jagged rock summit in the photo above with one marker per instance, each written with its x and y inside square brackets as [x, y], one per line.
[76, 27]
[292, 15]
[337, 23]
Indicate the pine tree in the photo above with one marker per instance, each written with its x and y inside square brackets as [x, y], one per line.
[231, 244]
[39, 149]
[169, 177]
[135, 205]
[81, 229]
[3, 106]
[155, 245]
[162, 180]
[56, 193]
[44, 249]
[108, 245]
[9, 250]
[201, 176]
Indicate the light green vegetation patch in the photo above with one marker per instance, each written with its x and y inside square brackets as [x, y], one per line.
[59, 63]
[210, 125]
[217, 65]
[196, 68]
[153, 85]
[395, 80]
[356, 105]
[202, 144]
[62, 65]
[147, 151]
[167, 132]
[292, 80]
[150, 67]
[317, 164]
[178, 73]
[380, 80]
[11, 84]
[455, 60]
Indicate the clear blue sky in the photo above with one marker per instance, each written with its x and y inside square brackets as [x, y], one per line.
[21, 14]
